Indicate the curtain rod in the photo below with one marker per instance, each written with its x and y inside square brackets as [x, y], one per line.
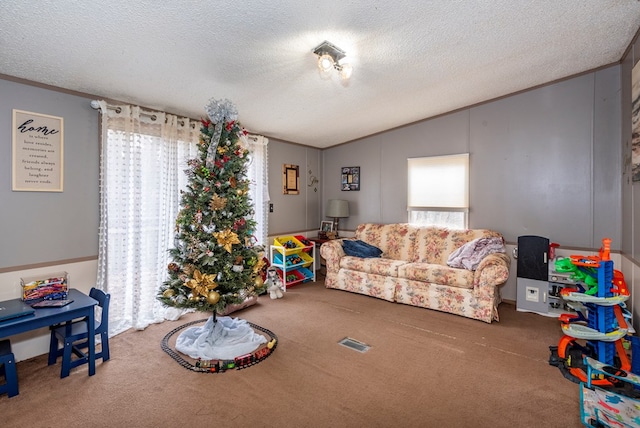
[96, 106]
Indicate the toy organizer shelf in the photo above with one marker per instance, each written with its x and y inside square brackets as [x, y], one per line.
[294, 257]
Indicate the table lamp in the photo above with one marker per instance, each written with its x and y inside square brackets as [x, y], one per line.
[337, 208]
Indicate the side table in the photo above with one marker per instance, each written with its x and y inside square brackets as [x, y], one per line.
[318, 242]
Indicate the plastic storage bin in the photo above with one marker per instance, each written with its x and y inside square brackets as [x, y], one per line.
[289, 244]
[44, 287]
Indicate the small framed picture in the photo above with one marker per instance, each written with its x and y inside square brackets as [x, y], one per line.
[290, 179]
[326, 226]
[350, 178]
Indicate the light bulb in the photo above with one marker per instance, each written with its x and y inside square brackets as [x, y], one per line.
[325, 62]
[345, 71]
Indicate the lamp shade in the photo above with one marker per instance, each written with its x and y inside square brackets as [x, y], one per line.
[337, 208]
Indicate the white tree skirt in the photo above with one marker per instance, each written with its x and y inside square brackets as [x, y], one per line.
[226, 339]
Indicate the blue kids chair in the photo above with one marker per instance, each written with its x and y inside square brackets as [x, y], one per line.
[74, 337]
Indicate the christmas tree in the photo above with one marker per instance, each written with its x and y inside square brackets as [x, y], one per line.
[215, 262]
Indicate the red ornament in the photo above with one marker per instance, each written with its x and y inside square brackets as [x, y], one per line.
[239, 223]
[230, 125]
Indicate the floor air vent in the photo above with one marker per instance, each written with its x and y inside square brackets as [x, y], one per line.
[354, 344]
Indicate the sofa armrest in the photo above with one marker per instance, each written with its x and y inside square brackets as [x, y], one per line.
[332, 252]
[492, 271]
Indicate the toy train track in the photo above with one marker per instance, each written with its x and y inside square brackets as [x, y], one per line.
[220, 366]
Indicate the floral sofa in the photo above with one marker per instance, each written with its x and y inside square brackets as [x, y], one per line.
[413, 269]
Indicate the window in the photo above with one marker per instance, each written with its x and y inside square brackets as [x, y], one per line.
[438, 190]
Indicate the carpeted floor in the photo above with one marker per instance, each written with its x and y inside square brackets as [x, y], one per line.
[424, 369]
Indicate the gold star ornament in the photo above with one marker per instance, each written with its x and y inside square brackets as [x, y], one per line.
[217, 203]
[226, 239]
[201, 284]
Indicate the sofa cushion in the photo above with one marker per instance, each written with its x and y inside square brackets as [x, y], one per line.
[395, 240]
[360, 248]
[437, 274]
[434, 244]
[378, 266]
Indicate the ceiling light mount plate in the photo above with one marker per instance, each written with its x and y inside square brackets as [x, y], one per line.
[330, 49]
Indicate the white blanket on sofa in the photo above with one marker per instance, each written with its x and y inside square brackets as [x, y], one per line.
[471, 254]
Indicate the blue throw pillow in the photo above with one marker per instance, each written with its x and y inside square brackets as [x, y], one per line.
[360, 249]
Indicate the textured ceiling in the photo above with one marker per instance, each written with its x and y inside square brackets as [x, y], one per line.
[412, 59]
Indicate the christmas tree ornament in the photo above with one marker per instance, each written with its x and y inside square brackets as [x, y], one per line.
[213, 297]
[218, 111]
[217, 203]
[226, 239]
[200, 284]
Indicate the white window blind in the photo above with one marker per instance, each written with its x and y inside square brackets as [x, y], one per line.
[438, 190]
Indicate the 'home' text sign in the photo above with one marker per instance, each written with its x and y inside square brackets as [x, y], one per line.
[37, 152]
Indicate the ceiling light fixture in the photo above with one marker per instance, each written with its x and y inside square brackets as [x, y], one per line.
[329, 56]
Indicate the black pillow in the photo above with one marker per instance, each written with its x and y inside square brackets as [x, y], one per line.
[360, 249]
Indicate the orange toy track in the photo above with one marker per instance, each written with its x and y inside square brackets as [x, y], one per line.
[565, 344]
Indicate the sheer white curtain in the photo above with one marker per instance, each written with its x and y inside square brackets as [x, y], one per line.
[259, 188]
[143, 158]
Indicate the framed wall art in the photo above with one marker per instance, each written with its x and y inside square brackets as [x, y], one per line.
[37, 152]
[290, 179]
[350, 178]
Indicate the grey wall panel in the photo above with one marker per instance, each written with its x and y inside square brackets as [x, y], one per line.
[383, 162]
[632, 196]
[535, 150]
[627, 185]
[291, 212]
[42, 227]
[364, 205]
[607, 161]
[444, 136]
[313, 189]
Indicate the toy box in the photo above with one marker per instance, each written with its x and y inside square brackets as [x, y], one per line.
[44, 287]
[614, 407]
